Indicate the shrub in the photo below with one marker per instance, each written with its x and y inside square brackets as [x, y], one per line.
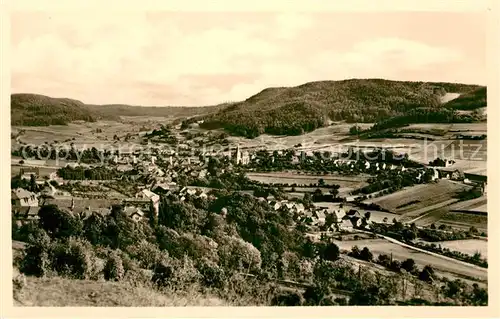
[146, 253]
[314, 295]
[212, 274]
[366, 254]
[74, 258]
[176, 273]
[287, 298]
[237, 254]
[408, 265]
[114, 269]
[427, 274]
[196, 247]
[384, 260]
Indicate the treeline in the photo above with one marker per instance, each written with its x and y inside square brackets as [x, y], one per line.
[81, 173]
[296, 110]
[425, 115]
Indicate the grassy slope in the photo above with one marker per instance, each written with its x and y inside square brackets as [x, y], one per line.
[310, 105]
[59, 292]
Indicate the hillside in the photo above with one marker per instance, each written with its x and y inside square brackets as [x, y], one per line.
[154, 111]
[469, 101]
[40, 110]
[295, 110]
[64, 292]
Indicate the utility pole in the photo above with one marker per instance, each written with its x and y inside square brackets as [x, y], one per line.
[404, 288]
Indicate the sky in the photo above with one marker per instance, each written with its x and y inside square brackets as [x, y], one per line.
[195, 59]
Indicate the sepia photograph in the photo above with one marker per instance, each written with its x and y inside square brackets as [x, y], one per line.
[214, 158]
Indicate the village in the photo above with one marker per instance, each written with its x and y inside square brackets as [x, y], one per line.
[159, 172]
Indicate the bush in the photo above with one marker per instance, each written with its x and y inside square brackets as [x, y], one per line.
[196, 247]
[366, 254]
[176, 273]
[427, 274]
[239, 255]
[146, 253]
[212, 274]
[114, 269]
[287, 298]
[408, 265]
[74, 258]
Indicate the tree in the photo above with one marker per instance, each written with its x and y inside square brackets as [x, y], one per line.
[335, 190]
[368, 215]
[427, 274]
[329, 252]
[59, 223]
[366, 254]
[408, 265]
[114, 270]
[354, 130]
[321, 182]
[33, 185]
[317, 195]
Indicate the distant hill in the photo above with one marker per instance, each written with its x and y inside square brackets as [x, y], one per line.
[40, 110]
[295, 110]
[469, 101]
[159, 111]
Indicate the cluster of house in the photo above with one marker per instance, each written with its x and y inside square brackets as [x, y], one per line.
[334, 219]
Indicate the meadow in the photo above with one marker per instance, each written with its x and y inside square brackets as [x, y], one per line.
[420, 197]
[446, 267]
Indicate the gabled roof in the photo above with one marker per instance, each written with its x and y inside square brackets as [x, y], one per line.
[20, 193]
[132, 210]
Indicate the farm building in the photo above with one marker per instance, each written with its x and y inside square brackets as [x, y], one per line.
[23, 198]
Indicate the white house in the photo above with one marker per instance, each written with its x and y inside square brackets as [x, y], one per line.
[154, 198]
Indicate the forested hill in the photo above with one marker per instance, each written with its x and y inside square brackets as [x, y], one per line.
[295, 110]
[39, 110]
[469, 101]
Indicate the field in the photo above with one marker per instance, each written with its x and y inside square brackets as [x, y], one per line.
[306, 179]
[326, 138]
[466, 246]
[420, 198]
[88, 134]
[449, 268]
[450, 215]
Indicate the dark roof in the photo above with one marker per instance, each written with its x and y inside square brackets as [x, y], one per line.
[83, 203]
[27, 211]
